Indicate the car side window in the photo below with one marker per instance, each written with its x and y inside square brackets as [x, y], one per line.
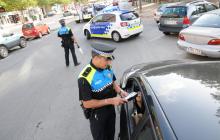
[200, 9]
[98, 19]
[140, 120]
[210, 7]
[194, 12]
[109, 18]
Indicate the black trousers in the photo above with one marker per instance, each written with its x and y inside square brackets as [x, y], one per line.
[102, 123]
[72, 49]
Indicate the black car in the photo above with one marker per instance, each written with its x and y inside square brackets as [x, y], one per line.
[177, 100]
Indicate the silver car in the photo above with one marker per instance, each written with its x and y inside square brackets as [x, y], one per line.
[10, 40]
[180, 16]
[203, 37]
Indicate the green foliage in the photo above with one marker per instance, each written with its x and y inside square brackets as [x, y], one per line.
[13, 5]
[2, 4]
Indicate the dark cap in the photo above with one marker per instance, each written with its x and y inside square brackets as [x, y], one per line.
[103, 49]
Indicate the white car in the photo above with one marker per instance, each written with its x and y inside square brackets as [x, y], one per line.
[203, 37]
[116, 25]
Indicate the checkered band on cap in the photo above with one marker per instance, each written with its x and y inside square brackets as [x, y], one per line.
[105, 54]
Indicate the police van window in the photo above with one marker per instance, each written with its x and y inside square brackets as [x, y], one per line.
[109, 18]
[128, 16]
[98, 19]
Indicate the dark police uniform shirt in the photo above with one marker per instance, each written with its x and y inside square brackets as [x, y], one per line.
[66, 34]
[95, 83]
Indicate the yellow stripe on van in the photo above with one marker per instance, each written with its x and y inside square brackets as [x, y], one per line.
[101, 35]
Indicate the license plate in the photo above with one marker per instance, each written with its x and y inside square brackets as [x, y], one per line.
[194, 51]
[170, 22]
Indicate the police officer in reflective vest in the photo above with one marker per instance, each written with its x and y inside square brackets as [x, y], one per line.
[67, 42]
[98, 92]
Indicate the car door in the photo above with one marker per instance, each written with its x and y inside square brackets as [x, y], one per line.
[10, 40]
[100, 26]
[135, 119]
[95, 26]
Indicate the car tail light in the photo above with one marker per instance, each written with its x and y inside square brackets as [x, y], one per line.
[181, 37]
[214, 42]
[123, 24]
[186, 20]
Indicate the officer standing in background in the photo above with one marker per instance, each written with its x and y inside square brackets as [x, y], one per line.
[98, 92]
[67, 42]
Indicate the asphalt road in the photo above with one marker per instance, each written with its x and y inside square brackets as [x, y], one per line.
[39, 95]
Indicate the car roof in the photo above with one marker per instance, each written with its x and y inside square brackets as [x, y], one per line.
[189, 95]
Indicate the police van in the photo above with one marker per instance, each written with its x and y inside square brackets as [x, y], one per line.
[117, 25]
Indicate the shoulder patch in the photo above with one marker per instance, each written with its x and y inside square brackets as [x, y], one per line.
[87, 71]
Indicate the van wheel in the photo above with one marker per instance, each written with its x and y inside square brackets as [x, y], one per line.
[116, 36]
[3, 52]
[23, 43]
[166, 33]
[88, 35]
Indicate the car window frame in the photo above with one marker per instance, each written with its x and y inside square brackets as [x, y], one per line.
[197, 9]
[135, 133]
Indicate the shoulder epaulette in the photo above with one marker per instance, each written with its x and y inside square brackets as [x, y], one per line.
[87, 71]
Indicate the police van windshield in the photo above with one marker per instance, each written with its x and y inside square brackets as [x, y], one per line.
[129, 16]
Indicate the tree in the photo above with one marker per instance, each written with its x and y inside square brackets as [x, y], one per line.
[46, 4]
[18, 5]
[2, 4]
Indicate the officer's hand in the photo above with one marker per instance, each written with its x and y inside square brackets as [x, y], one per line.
[123, 93]
[118, 101]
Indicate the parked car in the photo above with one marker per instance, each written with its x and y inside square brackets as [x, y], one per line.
[86, 13]
[10, 40]
[51, 13]
[35, 29]
[67, 13]
[159, 11]
[203, 37]
[77, 17]
[177, 100]
[117, 25]
[175, 18]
